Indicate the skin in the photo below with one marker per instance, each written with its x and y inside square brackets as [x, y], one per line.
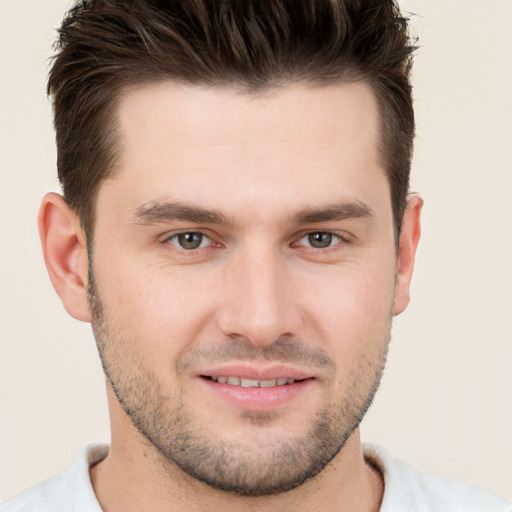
[255, 294]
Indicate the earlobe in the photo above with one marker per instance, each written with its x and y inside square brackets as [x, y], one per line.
[65, 254]
[409, 239]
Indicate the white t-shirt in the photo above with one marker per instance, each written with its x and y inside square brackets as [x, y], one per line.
[404, 489]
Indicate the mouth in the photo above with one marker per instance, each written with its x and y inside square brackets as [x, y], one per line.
[257, 389]
[252, 383]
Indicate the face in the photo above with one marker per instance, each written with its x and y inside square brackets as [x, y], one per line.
[244, 277]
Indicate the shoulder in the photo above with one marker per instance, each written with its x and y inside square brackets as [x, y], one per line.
[406, 489]
[70, 491]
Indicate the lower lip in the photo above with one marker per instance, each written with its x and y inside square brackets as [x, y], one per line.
[261, 399]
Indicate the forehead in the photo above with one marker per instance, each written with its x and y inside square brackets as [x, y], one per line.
[206, 142]
[341, 114]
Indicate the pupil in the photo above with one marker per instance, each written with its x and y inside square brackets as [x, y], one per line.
[320, 240]
[190, 240]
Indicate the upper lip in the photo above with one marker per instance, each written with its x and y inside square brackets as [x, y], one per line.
[246, 371]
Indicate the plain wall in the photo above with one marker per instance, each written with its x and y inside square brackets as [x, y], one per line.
[445, 403]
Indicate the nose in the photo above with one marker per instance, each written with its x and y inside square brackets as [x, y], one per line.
[260, 305]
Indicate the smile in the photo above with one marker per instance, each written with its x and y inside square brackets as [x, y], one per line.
[252, 383]
[262, 389]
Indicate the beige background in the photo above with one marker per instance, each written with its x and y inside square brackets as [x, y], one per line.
[445, 402]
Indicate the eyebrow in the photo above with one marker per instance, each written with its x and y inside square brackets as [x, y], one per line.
[155, 212]
[335, 212]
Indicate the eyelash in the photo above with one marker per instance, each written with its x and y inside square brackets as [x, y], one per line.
[332, 235]
[175, 236]
[336, 237]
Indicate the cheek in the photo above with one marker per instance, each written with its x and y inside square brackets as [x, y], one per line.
[163, 309]
[351, 310]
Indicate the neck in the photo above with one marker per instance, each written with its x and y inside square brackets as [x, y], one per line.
[140, 479]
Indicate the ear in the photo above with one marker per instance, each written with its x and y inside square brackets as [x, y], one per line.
[409, 238]
[65, 254]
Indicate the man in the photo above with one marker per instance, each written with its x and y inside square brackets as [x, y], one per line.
[238, 230]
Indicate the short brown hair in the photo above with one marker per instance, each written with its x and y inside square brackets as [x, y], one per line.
[107, 45]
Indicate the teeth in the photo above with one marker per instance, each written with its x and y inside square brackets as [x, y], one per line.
[252, 383]
[249, 383]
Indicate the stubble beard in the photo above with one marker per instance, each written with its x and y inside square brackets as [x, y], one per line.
[267, 467]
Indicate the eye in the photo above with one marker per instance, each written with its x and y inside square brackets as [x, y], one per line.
[320, 240]
[190, 240]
